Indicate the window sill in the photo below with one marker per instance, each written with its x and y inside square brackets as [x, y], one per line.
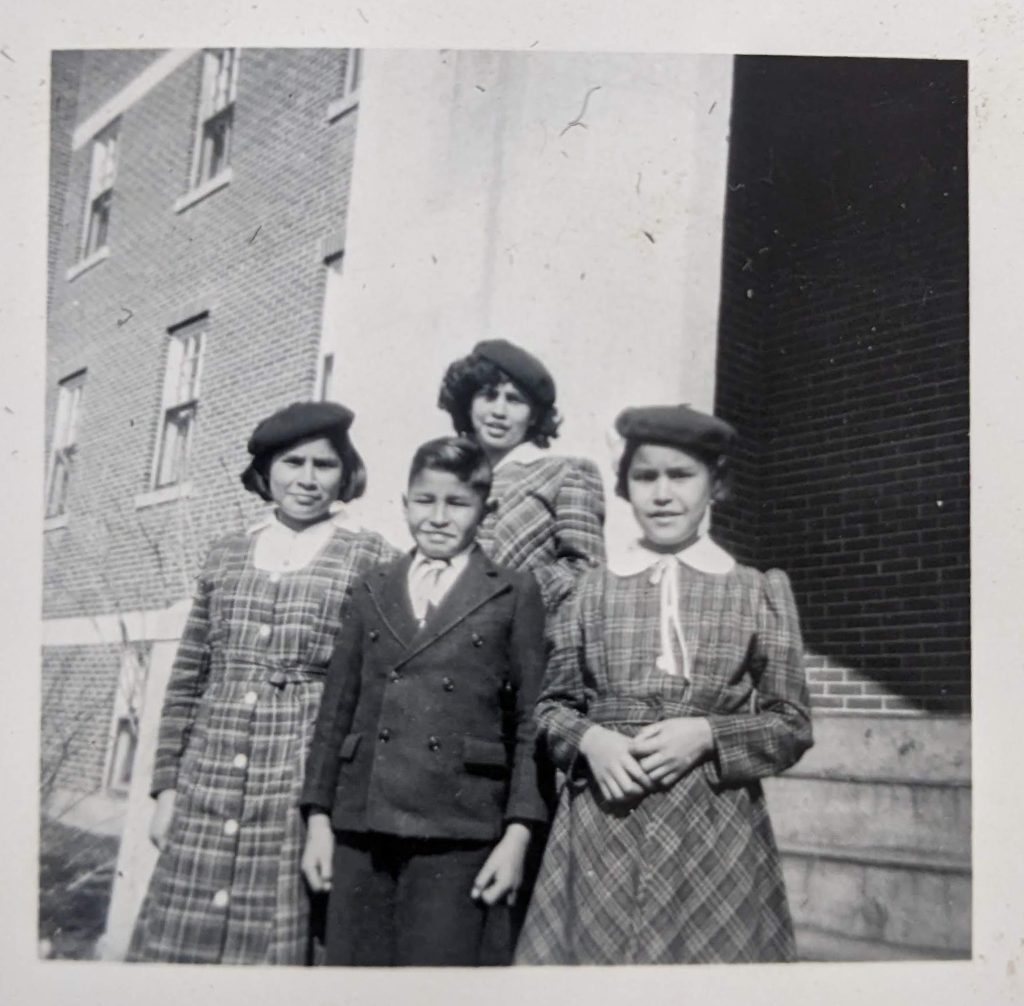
[166, 494]
[87, 263]
[201, 192]
[53, 523]
[342, 106]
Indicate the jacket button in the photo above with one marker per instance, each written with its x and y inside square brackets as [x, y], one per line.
[395, 676]
[433, 743]
[449, 685]
[385, 734]
[477, 639]
[374, 635]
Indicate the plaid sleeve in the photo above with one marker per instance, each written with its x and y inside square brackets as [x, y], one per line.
[187, 682]
[773, 737]
[579, 532]
[562, 704]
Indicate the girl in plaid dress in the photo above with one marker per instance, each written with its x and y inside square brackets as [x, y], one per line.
[545, 512]
[241, 703]
[673, 687]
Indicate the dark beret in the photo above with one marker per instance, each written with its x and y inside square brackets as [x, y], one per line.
[300, 421]
[676, 426]
[524, 369]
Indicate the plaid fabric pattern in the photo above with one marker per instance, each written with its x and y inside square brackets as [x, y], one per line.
[691, 874]
[549, 519]
[237, 723]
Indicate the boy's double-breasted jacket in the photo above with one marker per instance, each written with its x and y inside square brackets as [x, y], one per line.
[429, 732]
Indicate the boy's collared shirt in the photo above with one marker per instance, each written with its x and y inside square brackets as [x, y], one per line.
[430, 580]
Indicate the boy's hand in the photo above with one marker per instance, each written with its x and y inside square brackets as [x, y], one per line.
[500, 877]
[619, 776]
[160, 823]
[318, 853]
[668, 749]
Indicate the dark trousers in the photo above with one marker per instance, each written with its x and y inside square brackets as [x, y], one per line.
[403, 901]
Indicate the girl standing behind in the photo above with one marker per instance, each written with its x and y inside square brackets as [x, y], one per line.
[546, 512]
[671, 691]
[242, 701]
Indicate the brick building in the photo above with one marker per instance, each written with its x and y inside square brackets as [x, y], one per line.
[198, 203]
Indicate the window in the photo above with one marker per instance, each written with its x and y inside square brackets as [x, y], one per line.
[216, 114]
[325, 380]
[65, 436]
[102, 169]
[124, 741]
[353, 71]
[178, 409]
[351, 77]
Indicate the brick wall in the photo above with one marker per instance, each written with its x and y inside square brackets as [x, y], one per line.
[78, 689]
[65, 78]
[854, 183]
[250, 254]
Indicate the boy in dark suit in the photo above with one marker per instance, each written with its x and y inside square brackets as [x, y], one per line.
[422, 787]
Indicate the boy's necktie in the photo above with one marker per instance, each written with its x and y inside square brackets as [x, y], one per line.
[427, 586]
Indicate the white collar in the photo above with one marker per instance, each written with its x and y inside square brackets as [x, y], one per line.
[704, 555]
[525, 453]
[455, 563]
[340, 518]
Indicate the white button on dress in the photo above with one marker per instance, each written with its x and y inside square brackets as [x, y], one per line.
[220, 899]
[250, 698]
[264, 631]
[240, 761]
[231, 827]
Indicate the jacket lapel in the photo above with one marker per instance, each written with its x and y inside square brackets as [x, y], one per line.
[480, 581]
[390, 594]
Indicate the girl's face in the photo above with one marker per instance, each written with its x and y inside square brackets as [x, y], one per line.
[501, 418]
[669, 490]
[305, 480]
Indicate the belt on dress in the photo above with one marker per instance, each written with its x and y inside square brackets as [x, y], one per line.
[639, 709]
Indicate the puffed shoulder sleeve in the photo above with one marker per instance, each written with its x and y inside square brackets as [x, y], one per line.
[777, 730]
[188, 678]
[579, 510]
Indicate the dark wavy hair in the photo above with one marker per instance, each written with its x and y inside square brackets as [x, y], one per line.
[470, 374]
[461, 456]
[717, 463]
[256, 478]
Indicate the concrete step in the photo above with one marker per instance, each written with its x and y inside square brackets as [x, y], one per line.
[933, 817]
[906, 900]
[822, 945]
[933, 749]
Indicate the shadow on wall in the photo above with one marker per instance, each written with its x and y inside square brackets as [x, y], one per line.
[843, 361]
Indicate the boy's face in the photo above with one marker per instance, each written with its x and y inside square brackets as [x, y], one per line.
[442, 512]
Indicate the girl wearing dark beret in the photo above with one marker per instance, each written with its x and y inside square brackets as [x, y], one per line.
[675, 684]
[546, 512]
[242, 700]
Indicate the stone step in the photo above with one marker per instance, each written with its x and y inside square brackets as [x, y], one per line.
[907, 900]
[933, 817]
[910, 749]
[823, 945]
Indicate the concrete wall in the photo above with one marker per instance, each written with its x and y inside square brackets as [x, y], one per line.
[478, 210]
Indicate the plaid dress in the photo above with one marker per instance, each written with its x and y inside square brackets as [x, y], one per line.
[690, 874]
[548, 518]
[236, 726]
